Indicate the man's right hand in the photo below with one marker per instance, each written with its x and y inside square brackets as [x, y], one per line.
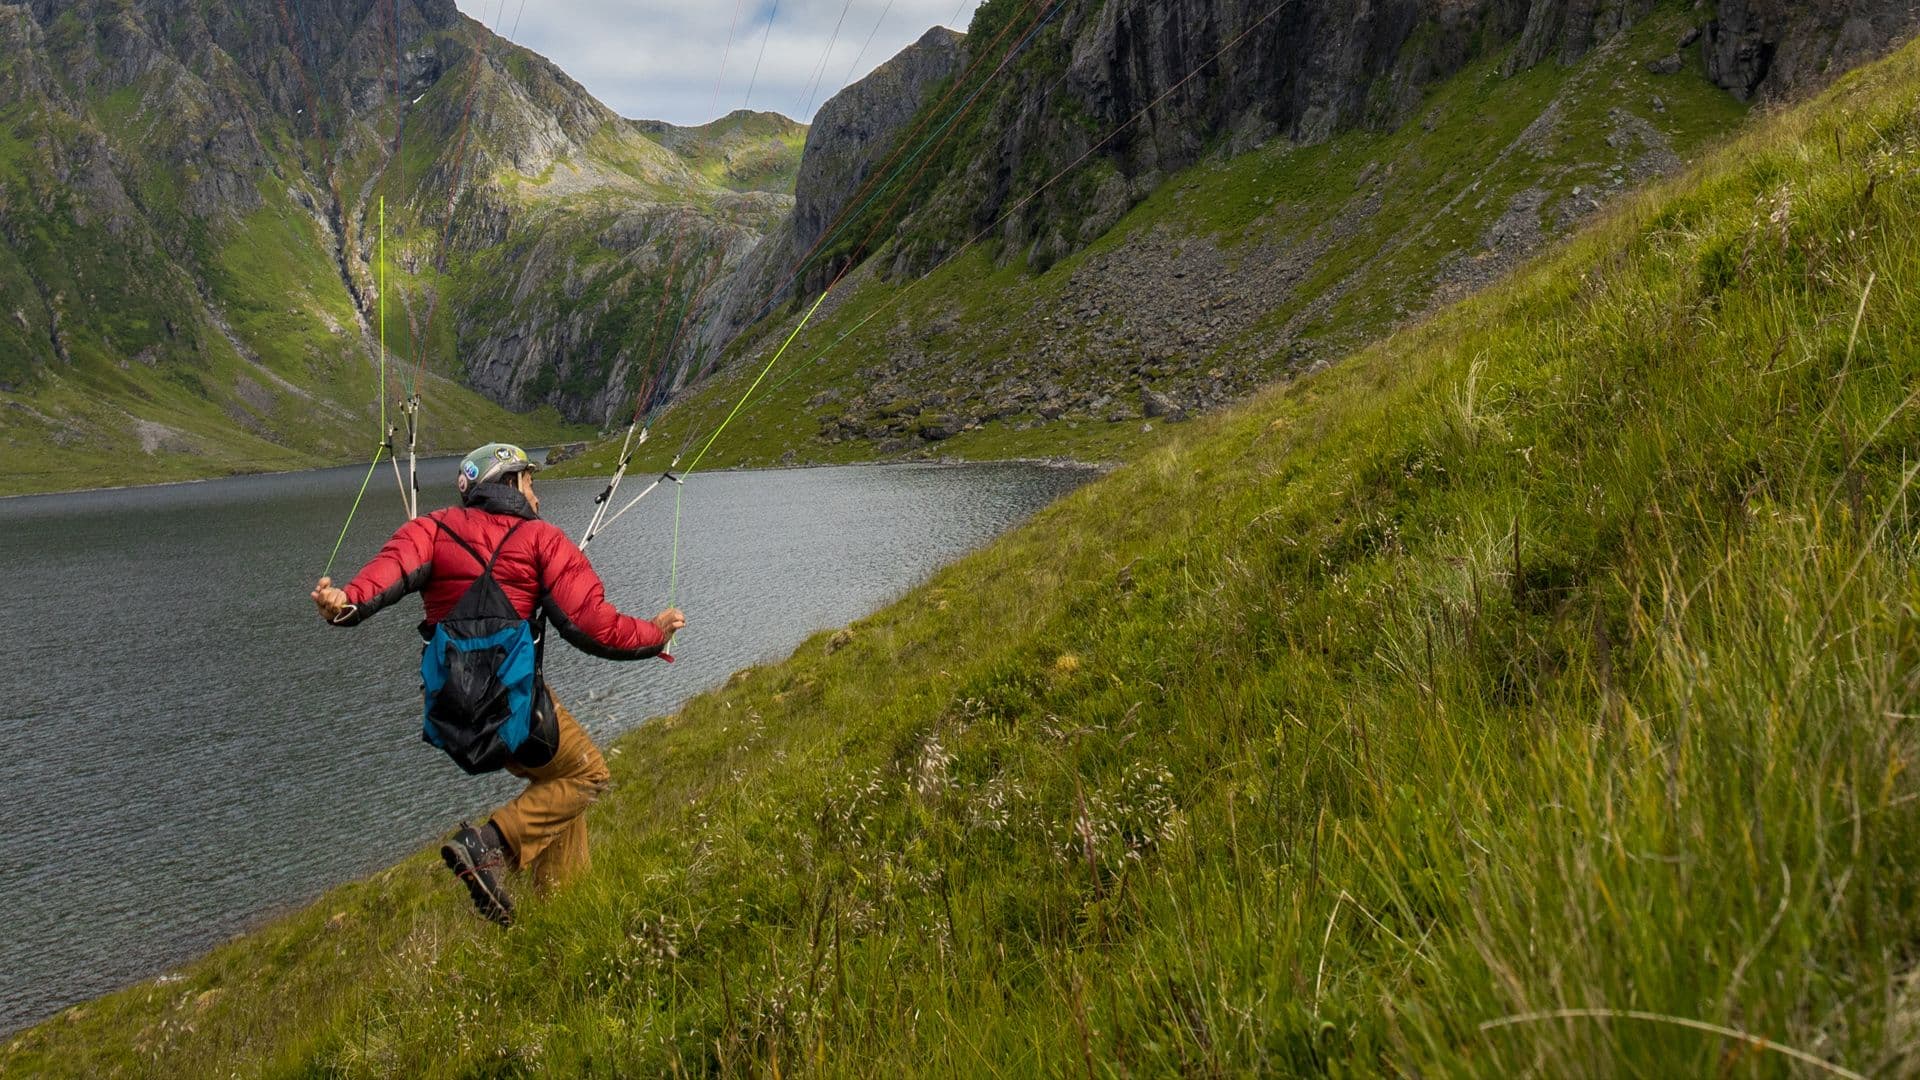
[670, 621]
[331, 601]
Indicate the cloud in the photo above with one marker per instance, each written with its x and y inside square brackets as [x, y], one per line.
[662, 60]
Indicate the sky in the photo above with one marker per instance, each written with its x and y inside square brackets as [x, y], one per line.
[661, 59]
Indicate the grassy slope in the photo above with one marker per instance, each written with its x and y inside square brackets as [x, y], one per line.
[1448, 178]
[310, 393]
[743, 151]
[1557, 653]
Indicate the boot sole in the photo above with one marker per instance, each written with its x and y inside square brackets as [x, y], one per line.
[485, 900]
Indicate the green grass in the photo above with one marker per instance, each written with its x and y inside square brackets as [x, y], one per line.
[742, 151]
[150, 387]
[282, 291]
[1558, 654]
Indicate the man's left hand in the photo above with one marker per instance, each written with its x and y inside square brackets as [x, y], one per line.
[670, 622]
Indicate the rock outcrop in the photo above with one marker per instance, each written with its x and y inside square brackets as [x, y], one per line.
[857, 128]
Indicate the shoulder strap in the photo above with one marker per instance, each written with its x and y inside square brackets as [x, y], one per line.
[458, 539]
[486, 561]
[502, 546]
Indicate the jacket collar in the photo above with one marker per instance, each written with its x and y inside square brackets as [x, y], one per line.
[500, 499]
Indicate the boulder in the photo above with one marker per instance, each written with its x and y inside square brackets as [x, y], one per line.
[565, 452]
[1158, 406]
[938, 427]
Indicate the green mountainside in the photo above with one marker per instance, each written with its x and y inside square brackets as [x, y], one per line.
[1528, 693]
[193, 200]
[744, 151]
[1110, 213]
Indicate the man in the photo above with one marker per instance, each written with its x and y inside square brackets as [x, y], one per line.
[454, 558]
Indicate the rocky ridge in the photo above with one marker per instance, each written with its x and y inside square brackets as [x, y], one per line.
[1303, 71]
[1167, 321]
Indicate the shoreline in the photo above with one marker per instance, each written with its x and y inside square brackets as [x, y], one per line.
[195, 480]
[1052, 462]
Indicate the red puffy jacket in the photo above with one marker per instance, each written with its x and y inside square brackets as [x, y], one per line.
[539, 569]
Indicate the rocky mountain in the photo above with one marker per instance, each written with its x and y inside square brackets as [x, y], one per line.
[1203, 195]
[1304, 71]
[1781, 48]
[192, 198]
[853, 135]
[1082, 212]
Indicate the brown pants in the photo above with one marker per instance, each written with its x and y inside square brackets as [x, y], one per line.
[546, 824]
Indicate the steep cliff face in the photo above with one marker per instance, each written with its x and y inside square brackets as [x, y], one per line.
[857, 127]
[1780, 48]
[1303, 71]
[580, 305]
[852, 135]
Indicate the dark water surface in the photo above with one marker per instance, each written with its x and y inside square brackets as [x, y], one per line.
[189, 749]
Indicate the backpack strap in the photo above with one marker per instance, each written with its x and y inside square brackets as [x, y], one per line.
[501, 546]
[486, 561]
[458, 539]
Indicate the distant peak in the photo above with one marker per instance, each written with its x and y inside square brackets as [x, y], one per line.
[736, 119]
[752, 114]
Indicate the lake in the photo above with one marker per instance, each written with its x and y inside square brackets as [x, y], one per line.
[191, 749]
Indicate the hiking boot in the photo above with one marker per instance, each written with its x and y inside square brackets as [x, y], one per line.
[477, 857]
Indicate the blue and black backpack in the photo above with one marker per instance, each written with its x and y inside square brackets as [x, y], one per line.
[480, 672]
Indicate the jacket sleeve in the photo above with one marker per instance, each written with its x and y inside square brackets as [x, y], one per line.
[575, 601]
[403, 566]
